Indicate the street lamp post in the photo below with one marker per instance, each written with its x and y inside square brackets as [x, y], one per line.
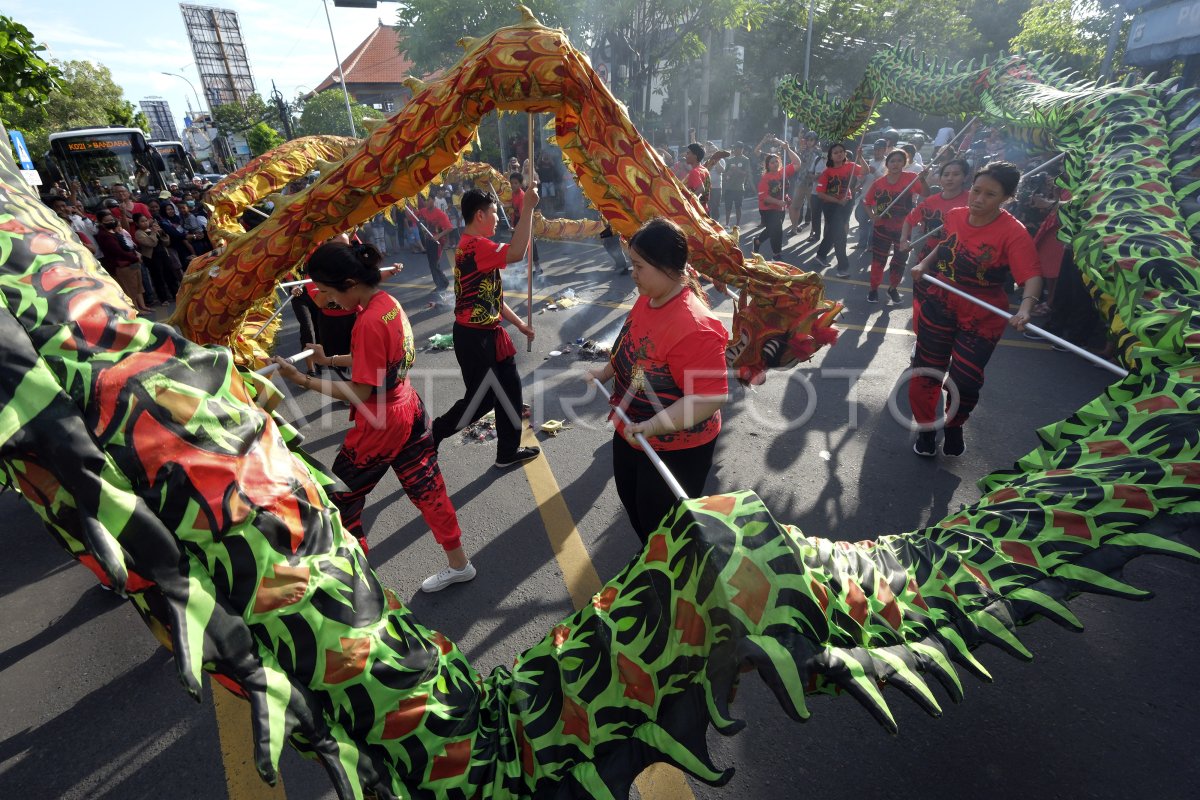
[189, 83]
[341, 75]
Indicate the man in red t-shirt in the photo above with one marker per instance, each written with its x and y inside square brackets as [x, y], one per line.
[517, 183]
[127, 206]
[485, 353]
[436, 228]
[698, 179]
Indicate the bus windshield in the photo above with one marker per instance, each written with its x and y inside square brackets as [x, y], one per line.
[177, 168]
[99, 157]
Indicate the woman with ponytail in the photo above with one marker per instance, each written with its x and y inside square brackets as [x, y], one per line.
[391, 426]
[670, 378]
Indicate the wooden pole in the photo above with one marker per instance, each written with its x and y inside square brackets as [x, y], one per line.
[529, 260]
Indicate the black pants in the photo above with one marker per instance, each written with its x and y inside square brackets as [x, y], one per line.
[433, 254]
[837, 223]
[642, 490]
[475, 350]
[162, 275]
[335, 332]
[1073, 314]
[306, 312]
[816, 210]
[772, 220]
[612, 246]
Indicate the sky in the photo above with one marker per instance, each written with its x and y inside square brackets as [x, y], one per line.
[286, 40]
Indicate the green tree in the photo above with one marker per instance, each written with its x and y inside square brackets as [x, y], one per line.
[1076, 31]
[262, 137]
[325, 113]
[241, 116]
[25, 77]
[86, 95]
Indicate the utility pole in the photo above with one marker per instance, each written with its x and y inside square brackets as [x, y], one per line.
[285, 112]
[705, 77]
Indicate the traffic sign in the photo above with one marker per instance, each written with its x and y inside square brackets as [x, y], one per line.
[18, 140]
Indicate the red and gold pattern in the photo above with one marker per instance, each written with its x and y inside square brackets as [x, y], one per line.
[530, 68]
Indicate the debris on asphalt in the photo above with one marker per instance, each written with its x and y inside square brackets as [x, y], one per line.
[482, 430]
[553, 427]
[594, 351]
[441, 341]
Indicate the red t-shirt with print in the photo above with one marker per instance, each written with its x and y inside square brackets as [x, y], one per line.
[699, 181]
[664, 353]
[383, 353]
[478, 284]
[771, 185]
[836, 180]
[930, 213]
[883, 191]
[979, 259]
[518, 202]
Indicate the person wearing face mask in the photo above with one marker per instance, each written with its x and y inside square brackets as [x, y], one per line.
[983, 250]
[670, 377]
[121, 258]
[195, 225]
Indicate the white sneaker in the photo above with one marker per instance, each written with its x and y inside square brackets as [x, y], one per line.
[435, 583]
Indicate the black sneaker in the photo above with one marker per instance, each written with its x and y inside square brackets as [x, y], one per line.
[926, 444]
[894, 293]
[873, 296]
[522, 455]
[952, 443]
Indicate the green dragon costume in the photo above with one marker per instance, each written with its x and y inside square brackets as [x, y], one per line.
[160, 462]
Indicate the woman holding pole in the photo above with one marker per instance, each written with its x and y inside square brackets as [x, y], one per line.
[888, 201]
[391, 426]
[929, 215]
[982, 246]
[670, 378]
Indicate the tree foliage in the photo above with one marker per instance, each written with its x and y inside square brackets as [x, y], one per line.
[325, 114]
[85, 96]
[25, 77]
[262, 137]
[239, 117]
[1076, 31]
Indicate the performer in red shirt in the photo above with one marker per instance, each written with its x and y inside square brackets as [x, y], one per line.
[836, 187]
[438, 224]
[889, 200]
[698, 179]
[953, 179]
[516, 182]
[983, 245]
[485, 353]
[391, 426]
[669, 366]
[772, 196]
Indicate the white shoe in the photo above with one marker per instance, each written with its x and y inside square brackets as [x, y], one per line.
[435, 583]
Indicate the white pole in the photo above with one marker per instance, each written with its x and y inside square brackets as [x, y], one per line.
[341, 74]
[672, 484]
[271, 319]
[270, 369]
[1079, 351]
[499, 205]
[306, 281]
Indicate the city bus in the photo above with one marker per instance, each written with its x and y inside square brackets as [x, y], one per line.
[178, 165]
[99, 157]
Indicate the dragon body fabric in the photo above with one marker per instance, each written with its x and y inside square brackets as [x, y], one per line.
[783, 318]
[157, 460]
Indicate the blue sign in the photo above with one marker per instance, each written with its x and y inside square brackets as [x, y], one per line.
[18, 140]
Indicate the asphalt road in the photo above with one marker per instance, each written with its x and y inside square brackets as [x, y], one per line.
[91, 707]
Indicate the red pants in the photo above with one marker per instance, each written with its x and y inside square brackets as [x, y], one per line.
[400, 441]
[955, 338]
[883, 244]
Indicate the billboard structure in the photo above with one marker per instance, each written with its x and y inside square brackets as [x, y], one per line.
[220, 53]
[162, 125]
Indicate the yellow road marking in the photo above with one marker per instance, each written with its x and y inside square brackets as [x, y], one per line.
[658, 781]
[237, 749]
